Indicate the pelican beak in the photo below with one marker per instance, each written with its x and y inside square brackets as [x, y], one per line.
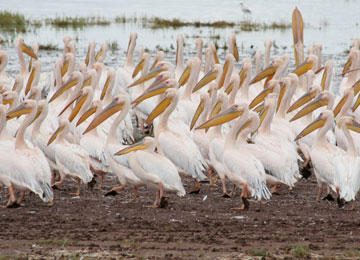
[68, 84]
[87, 81]
[216, 59]
[347, 66]
[263, 114]
[309, 95]
[319, 70]
[98, 55]
[260, 97]
[355, 126]
[221, 118]
[310, 128]
[210, 76]
[197, 114]
[28, 51]
[38, 113]
[64, 68]
[236, 52]
[128, 48]
[107, 112]
[106, 85]
[184, 77]
[217, 108]
[53, 137]
[87, 59]
[155, 63]
[243, 127]
[30, 81]
[15, 86]
[259, 108]
[323, 80]
[316, 103]
[135, 147]
[152, 74]
[223, 75]
[229, 88]
[265, 73]
[303, 68]
[7, 101]
[138, 68]
[281, 95]
[340, 105]
[243, 75]
[31, 95]
[356, 87]
[86, 115]
[18, 111]
[298, 31]
[30, 64]
[80, 102]
[157, 81]
[159, 109]
[357, 103]
[150, 93]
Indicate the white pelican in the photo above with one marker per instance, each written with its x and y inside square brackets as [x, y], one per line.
[37, 176]
[350, 183]
[199, 46]
[243, 169]
[71, 159]
[177, 146]
[233, 47]
[90, 56]
[179, 56]
[160, 56]
[20, 48]
[155, 170]
[119, 165]
[268, 45]
[323, 153]
[351, 64]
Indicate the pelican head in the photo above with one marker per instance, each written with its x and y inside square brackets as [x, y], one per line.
[308, 64]
[231, 113]
[101, 55]
[147, 143]
[268, 72]
[9, 97]
[208, 77]
[325, 98]
[350, 123]
[25, 107]
[273, 86]
[21, 46]
[170, 95]
[76, 78]
[63, 129]
[160, 56]
[110, 80]
[34, 76]
[326, 115]
[120, 102]
[204, 98]
[309, 95]
[233, 46]
[91, 52]
[94, 107]
[145, 60]
[348, 95]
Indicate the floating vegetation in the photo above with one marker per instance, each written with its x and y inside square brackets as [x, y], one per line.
[12, 22]
[48, 47]
[76, 22]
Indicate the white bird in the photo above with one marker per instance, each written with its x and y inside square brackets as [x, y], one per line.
[155, 170]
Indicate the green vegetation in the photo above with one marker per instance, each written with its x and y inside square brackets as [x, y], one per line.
[76, 22]
[48, 47]
[12, 22]
[113, 46]
[300, 251]
[257, 252]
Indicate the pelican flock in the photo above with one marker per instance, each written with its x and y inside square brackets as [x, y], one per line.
[257, 125]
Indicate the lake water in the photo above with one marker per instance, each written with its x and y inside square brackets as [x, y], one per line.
[325, 23]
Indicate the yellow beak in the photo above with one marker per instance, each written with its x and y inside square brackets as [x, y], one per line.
[80, 101]
[303, 68]
[197, 114]
[98, 55]
[106, 85]
[86, 115]
[64, 68]
[155, 63]
[107, 112]
[53, 137]
[184, 76]
[135, 147]
[68, 84]
[265, 73]
[221, 118]
[298, 31]
[152, 74]
[260, 97]
[310, 128]
[216, 59]
[151, 93]
[223, 75]
[28, 51]
[18, 111]
[236, 52]
[347, 66]
[316, 103]
[29, 82]
[309, 95]
[87, 59]
[138, 68]
[355, 126]
[210, 76]
[160, 108]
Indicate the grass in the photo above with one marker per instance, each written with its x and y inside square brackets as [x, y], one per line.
[48, 47]
[12, 22]
[257, 252]
[113, 46]
[63, 242]
[76, 22]
[300, 251]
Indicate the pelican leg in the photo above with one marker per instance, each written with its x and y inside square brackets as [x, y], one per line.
[211, 177]
[320, 191]
[135, 194]
[21, 198]
[274, 190]
[155, 205]
[197, 187]
[59, 182]
[12, 199]
[114, 190]
[340, 201]
[352, 205]
[77, 193]
[232, 193]
[244, 196]
[163, 200]
[225, 194]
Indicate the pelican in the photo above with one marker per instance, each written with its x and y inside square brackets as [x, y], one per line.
[243, 169]
[323, 153]
[233, 47]
[177, 146]
[179, 56]
[199, 45]
[70, 158]
[160, 56]
[155, 170]
[350, 183]
[90, 56]
[37, 175]
[20, 48]
[119, 165]
[351, 64]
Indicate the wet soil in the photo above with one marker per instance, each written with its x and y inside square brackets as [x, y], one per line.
[202, 226]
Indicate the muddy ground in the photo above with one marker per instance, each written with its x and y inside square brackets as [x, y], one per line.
[204, 226]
